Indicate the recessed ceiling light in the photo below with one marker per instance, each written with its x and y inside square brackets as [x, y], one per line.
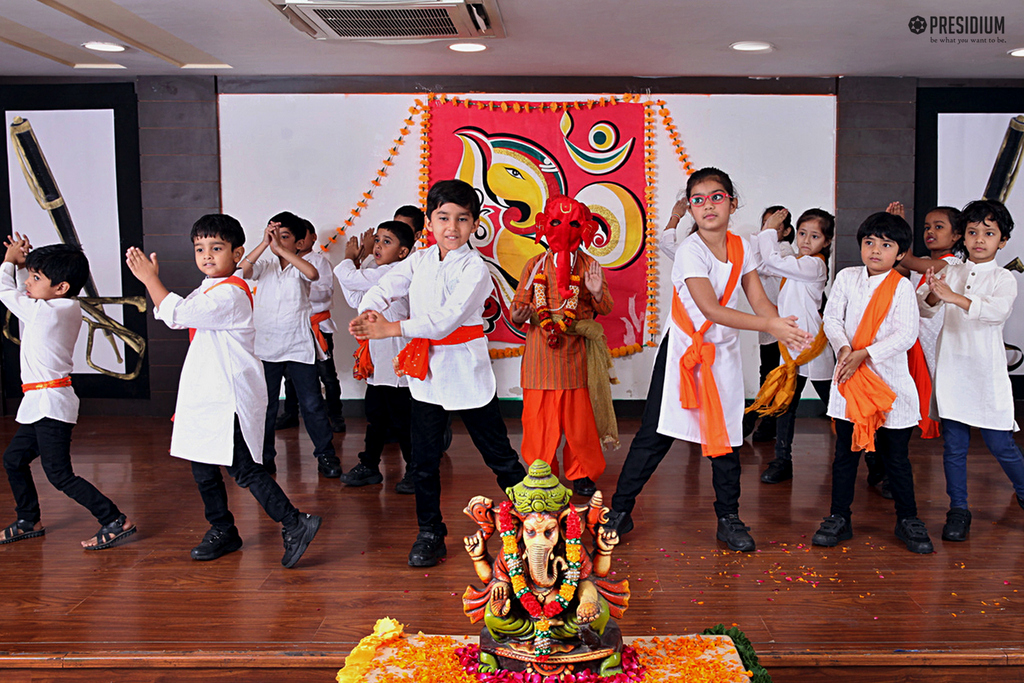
[467, 47]
[1019, 52]
[752, 46]
[99, 46]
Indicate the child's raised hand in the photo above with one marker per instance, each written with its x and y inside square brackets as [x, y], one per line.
[593, 278]
[788, 331]
[366, 245]
[520, 314]
[775, 221]
[363, 326]
[937, 285]
[17, 249]
[896, 209]
[352, 250]
[680, 208]
[142, 267]
[269, 231]
[847, 362]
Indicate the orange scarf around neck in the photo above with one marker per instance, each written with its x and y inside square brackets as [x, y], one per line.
[868, 398]
[714, 435]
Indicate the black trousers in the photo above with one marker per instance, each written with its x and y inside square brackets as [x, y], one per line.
[648, 449]
[388, 411]
[328, 374]
[50, 441]
[891, 447]
[786, 423]
[485, 427]
[247, 474]
[311, 404]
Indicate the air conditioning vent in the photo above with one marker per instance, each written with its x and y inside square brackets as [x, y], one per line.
[386, 19]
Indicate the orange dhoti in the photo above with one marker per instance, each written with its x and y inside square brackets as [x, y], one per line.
[550, 413]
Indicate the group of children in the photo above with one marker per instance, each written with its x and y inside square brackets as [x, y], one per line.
[243, 344]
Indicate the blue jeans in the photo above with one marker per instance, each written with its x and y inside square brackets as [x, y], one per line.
[311, 406]
[957, 436]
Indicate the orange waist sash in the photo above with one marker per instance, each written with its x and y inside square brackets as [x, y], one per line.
[363, 368]
[314, 321]
[49, 384]
[702, 394]
[868, 398]
[414, 359]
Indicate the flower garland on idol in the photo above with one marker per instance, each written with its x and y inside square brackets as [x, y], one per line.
[540, 299]
[566, 592]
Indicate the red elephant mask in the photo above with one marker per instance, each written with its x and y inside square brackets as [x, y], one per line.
[565, 224]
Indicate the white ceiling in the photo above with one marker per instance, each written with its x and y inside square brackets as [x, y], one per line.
[644, 38]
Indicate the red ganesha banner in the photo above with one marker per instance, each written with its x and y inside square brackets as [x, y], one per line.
[519, 154]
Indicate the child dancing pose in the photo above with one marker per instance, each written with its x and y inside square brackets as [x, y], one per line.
[696, 391]
[803, 280]
[977, 297]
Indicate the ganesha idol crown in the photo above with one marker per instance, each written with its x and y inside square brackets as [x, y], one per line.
[540, 491]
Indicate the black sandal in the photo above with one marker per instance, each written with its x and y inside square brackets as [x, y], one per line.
[109, 534]
[21, 530]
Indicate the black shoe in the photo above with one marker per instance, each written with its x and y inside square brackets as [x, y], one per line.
[286, 421]
[361, 475]
[833, 530]
[297, 539]
[427, 550]
[584, 487]
[217, 543]
[406, 485]
[765, 430]
[337, 424]
[329, 466]
[734, 532]
[882, 488]
[621, 522]
[913, 532]
[778, 471]
[958, 525]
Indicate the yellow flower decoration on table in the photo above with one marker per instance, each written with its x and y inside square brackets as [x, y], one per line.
[360, 660]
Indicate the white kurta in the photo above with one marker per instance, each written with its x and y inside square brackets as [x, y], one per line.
[694, 259]
[800, 295]
[443, 296]
[49, 332]
[221, 376]
[281, 316]
[770, 281]
[887, 354]
[321, 292]
[972, 384]
[355, 282]
[928, 328]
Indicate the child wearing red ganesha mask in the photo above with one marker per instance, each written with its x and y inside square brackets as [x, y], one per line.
[558, 385]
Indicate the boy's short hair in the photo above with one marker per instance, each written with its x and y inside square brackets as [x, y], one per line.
[413, 213]
[310, 229]
[293, 223]
[456, 192]
[402, 232]
[982, 210]
[221, 226]
[889, 227]
[61, 263]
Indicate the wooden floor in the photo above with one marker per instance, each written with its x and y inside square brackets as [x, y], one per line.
[868, 611]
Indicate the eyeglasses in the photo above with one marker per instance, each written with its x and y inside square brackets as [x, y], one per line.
[714, 198]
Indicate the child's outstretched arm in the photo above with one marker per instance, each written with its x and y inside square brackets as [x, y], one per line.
[17, 249]
[147, 271]
[16, 300]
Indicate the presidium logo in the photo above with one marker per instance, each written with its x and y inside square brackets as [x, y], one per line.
[960, 29]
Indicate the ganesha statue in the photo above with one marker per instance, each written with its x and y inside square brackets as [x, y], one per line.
[547, 604]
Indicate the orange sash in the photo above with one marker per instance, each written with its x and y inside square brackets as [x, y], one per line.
[49, 384]
[923, 381]
[714, 435]
[414, 359]
[314, 321]
[230, 280]
[363, 369]
[868, 398]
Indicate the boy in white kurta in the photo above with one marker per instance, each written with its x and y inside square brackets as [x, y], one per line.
[219, 414]
[447, 361]
[977, 297]
[387, 401]
[871, 321]
[52, 320]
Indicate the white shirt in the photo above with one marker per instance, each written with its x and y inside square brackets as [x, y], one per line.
[443, 296]
[887, 354]
[321, 292]
[355, 282]
[928, 328]
[972, 384]
[694, 259]
[800, 296]
[50, 330]
[771, 282]
[221, 376]
[281, 316]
